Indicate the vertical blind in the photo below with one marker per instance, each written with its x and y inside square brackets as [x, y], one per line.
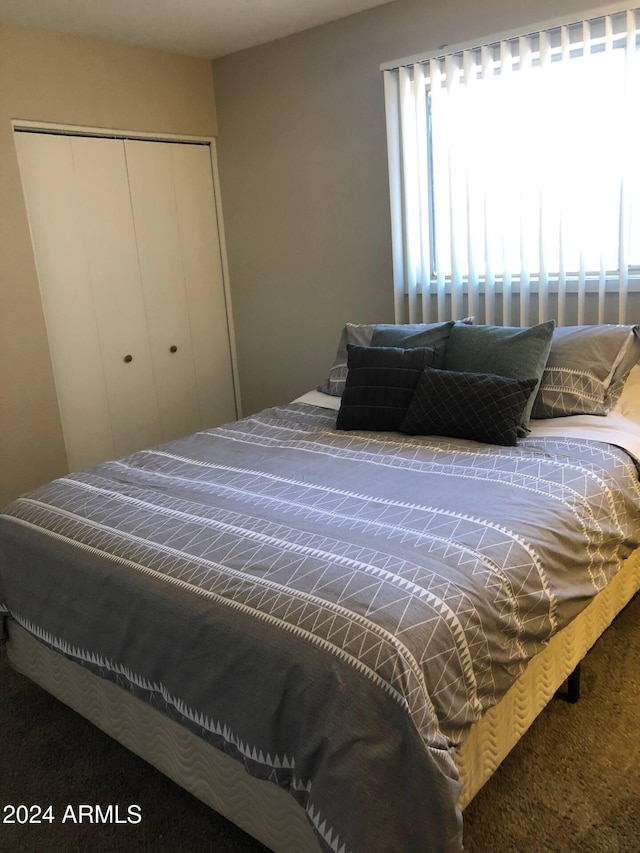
[514, 175]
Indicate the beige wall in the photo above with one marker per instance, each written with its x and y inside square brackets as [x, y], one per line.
[64, 79]
[302, 155]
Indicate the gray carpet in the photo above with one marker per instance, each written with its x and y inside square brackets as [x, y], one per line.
[573, 782]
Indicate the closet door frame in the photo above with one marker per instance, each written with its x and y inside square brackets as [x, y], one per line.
[210, 141]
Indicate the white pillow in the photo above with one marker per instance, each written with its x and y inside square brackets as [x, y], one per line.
[629, 401]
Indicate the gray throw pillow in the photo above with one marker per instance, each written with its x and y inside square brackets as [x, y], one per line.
[353, 334]
[586, 370]
[512, 351]
[478, 406]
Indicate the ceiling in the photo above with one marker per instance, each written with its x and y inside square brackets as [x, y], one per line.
[206, 28]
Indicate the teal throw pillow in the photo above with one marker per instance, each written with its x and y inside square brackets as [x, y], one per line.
[412, 335]
[513, 351]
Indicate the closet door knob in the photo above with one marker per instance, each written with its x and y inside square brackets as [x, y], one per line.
[128, 358]
[174, 348]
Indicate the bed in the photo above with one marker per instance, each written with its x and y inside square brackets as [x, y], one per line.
[331, 636]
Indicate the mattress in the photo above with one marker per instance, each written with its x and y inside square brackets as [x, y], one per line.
[319, 607]
[263, 810]
[260, 808]
[494, 736]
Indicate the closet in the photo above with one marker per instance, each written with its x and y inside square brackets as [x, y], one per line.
[129, 258]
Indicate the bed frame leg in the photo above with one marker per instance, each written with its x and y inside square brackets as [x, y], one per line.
[573, 686]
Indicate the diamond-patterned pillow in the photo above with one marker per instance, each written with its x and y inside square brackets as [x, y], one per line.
[479, 406]
[380, 385]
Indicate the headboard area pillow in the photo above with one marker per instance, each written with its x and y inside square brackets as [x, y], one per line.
[586, 370]
[413, 335]
[628, 403]
[478, 406]
[405, 336]
[353, 334]
[514, 352]
[380, 384]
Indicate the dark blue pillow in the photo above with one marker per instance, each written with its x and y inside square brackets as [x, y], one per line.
[479, 406]
[380, 384]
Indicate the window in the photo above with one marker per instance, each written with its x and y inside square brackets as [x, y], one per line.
[514, 171]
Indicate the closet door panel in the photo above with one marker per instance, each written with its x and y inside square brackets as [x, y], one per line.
[114, 280]
[202, 263]
[55, 217]
[158, 236]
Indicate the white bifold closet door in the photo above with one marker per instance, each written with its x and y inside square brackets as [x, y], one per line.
[129, 263]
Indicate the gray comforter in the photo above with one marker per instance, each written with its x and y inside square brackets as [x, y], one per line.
[334, 610]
